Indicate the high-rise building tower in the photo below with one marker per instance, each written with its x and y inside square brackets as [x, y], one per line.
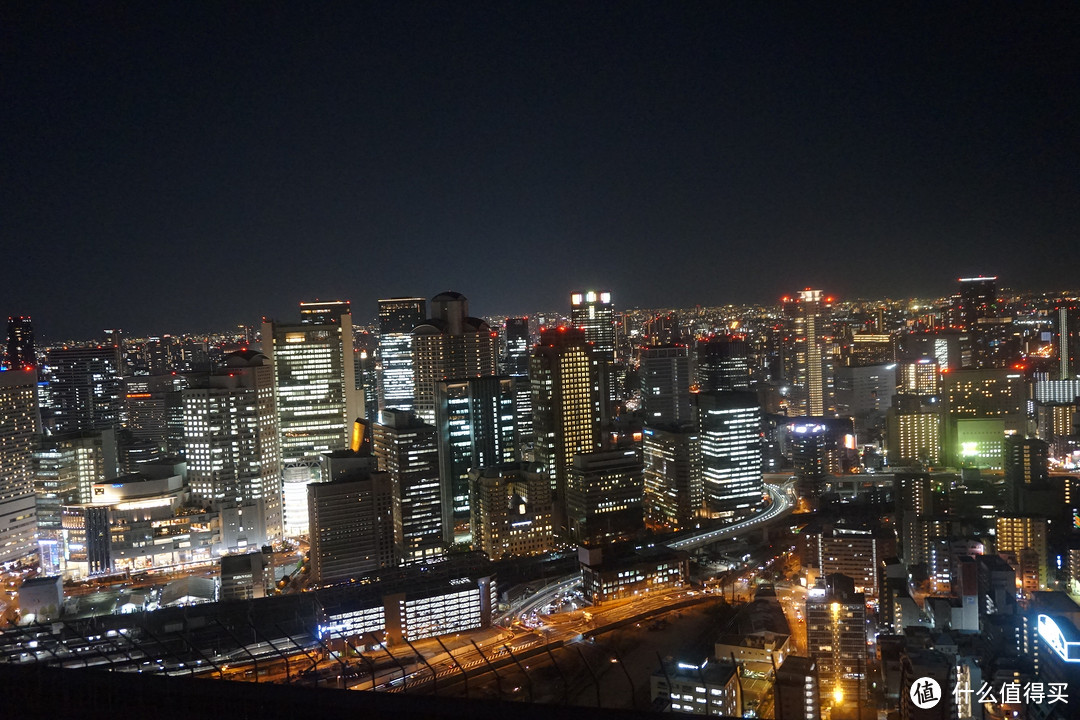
[1068, 339]
[604, 496]
[919, 377]
[594, 313]
[231, 439]
[516, 353]
[568, 404]
[665, 384]
[673, 489]
[1026, 468]
[20, 353]
[355, 522]
[976, 300]
[450, 345]
[317, 401]
[18, 427]
[836, 639]
[66, 466]
[155, 409]
[807, 315]
[397, 318]
[476, 420]
[729, 428]
[84, 389]
[408, 450]
[319, 312]
[723, 364]
[518, 346]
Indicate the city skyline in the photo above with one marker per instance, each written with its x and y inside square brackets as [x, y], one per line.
[200, 167]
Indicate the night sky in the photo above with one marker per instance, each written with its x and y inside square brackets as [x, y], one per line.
[169, 168]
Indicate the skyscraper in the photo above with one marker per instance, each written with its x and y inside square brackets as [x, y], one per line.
[231, 439]
[594, 313]
[20, 353]
[476, 420]
[722, 363]
[665, 384]
[397, 318]
[354, 520]
[604, 496]
[65, 468]
[1026, 468]
[1068, 339]
[806, 369]
[976, 299]
[407, 449]
[18, 428]
[729, 426]
[568, 403]
[450, 345]
[84, 389]
[327, 312]
[316, 396]
[516, 352]
[673, 489]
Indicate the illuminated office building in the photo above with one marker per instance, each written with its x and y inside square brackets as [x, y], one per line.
[594, 313]
[1026, 468]
[516, 364]
[868, 349]
[20, 353]
[316, 396]
[729, 428]
[84, 389]
[65, 468]
[864, 393]
[367, 382]
[915, 436]
[919, 377]
[450, 345]
[665, 384]
[154, 408]
[231, 440]
[511, 510]
[408, 450]
[18, 427]
[1068, 339]
[604, 496]
[568, 404]
[476, 420]
[397, 319]
[673, 491]
[982, 393]
[327, 312]
[355, 523]
[1057, 391]
[723, 363]
[516, 350]
[976, 300]
[807, 315]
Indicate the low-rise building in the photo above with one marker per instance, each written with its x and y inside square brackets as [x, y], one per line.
[612, 573]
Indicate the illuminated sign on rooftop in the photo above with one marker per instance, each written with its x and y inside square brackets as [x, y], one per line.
[1067, 650]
